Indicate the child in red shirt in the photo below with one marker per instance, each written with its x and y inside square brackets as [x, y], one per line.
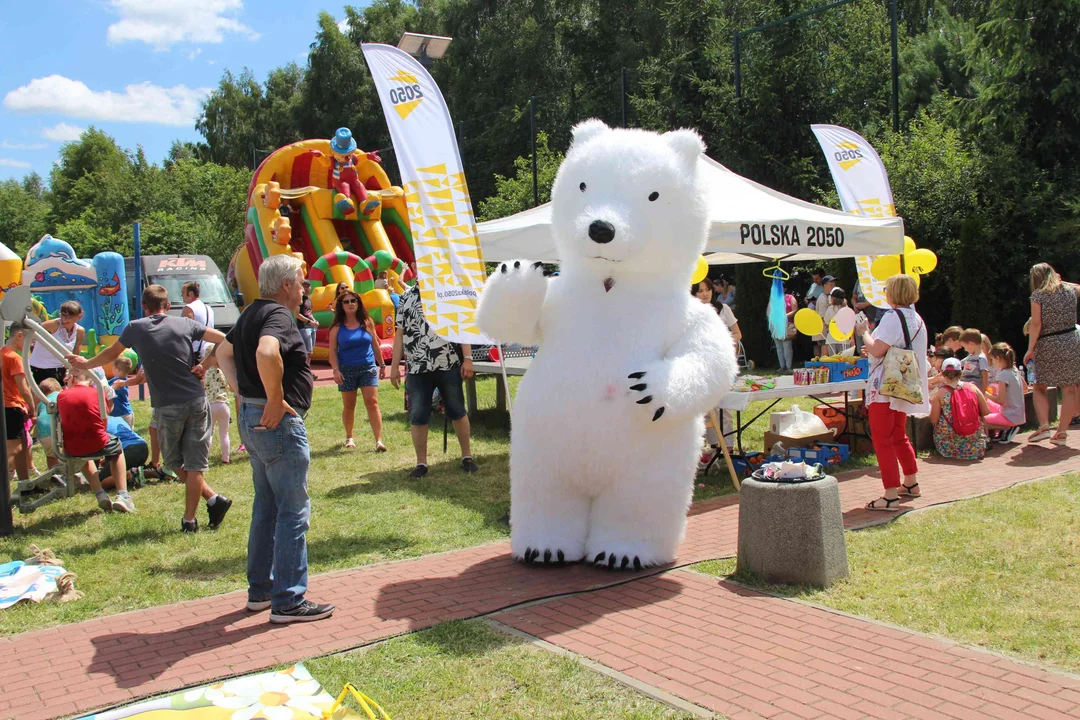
[85, 434]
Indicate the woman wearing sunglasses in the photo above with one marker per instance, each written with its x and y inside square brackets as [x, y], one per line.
[358, 364]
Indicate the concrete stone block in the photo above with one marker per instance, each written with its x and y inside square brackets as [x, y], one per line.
[792, 533]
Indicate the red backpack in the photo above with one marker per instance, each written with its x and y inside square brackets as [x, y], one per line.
[965, 410]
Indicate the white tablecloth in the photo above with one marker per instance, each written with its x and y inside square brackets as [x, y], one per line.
[786, 387]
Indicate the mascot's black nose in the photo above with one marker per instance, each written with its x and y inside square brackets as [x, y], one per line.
[601, 232]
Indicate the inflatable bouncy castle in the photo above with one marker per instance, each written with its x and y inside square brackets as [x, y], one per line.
[55, 275]
[332, 206]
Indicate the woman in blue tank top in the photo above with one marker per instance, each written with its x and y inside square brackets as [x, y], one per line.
[356, 356]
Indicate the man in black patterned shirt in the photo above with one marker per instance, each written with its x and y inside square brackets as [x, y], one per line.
[431, 362]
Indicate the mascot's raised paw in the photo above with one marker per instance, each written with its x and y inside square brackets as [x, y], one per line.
[509, 308]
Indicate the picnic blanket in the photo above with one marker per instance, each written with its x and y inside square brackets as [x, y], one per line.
[21, 581]
[289, 694]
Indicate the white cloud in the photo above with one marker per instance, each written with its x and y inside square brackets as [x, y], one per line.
[62, 132]
[163, 23]
[144, 102]
[343, 24]
[7, 162]
[5, 145]
[194, 53]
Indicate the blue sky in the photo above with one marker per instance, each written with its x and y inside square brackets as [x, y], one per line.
[134, 68]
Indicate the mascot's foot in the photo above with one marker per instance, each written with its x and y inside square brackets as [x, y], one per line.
[623, 556]
[548, 553]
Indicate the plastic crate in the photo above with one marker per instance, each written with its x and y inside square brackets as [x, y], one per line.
[745, 466]
[844, 371]
[824, 453]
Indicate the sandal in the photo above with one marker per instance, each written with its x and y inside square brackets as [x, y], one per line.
[888, 507]
[379, 447]
[1059, 439]
[350, 444]
[909, 490]
[1041, 434]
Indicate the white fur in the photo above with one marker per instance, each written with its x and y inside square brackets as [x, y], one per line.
[591, 471]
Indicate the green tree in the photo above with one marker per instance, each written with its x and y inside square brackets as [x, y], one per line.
[514, 194]
[23, 213]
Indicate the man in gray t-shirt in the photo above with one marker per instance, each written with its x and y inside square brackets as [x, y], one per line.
[164, 345]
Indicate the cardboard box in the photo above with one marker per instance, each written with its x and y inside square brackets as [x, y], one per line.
[790, 442]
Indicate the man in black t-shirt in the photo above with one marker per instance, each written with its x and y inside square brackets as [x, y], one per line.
[264, 357]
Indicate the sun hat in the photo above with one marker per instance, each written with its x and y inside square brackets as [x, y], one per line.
[343, 142]
[950, 364]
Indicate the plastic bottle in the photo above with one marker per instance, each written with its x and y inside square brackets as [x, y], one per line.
[1030, 370]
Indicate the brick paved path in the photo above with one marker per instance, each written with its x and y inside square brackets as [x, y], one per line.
[748, 655]
[111, 660]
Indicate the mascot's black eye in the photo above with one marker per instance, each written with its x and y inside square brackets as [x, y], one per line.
[582, 186]
[653, 196]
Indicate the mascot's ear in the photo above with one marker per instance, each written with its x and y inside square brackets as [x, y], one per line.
[587, 130]
[687, 144]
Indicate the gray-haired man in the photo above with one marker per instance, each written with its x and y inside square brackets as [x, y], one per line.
[264, 357]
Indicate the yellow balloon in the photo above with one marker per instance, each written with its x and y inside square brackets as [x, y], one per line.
[700, 270]
[835, 333]
[885, 266]
[920, 261]
[909, 245]
[916, 277]
[809, 322]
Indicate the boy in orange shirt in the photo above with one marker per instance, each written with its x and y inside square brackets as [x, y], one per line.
[17, 401]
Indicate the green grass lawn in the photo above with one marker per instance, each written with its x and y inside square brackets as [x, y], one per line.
[364, 510]
[468, 670]
[1001, 571]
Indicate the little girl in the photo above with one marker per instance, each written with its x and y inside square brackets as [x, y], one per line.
[940, 355]
[1009, 415]
[950, 443]
[837, 301]
[217, 395]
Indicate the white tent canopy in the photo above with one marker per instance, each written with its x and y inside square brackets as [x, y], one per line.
[750, 223]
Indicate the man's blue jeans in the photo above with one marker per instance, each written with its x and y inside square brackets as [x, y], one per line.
[277, 542]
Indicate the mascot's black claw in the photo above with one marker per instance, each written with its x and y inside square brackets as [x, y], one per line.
[517, 264]
[625, 562]
[527, 555]
[639, 386]
[658, 414]
[599, 558]
[637, 375]
[538, 264]
[502, 268]
[535, 554]
[646, 400]
[560, 556]
[637, 564]
[611, 562]
[547, 556]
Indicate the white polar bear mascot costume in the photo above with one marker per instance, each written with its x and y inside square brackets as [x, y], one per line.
[607, 424]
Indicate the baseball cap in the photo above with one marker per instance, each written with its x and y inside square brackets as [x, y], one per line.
[838, 293]
[828, 278]
[950, 364]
